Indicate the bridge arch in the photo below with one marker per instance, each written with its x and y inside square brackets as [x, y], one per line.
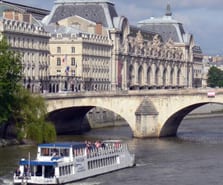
[80, 110]
[172, 124]
[171, 107]
[70, 120]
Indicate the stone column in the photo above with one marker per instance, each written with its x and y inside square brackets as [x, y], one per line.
[125, 74]
[115, 36]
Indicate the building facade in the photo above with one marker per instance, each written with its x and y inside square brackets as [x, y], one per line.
[172, 30]
[141, 58]
[27, 36]
[80, 60]
[91, 47]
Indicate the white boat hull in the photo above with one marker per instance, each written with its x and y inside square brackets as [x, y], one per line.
[84, 166]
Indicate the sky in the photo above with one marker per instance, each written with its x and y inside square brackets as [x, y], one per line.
[202, 18]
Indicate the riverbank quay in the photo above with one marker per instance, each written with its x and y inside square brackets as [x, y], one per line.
[205, 115]
[9, 142]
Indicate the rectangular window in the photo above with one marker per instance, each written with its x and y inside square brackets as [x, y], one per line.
[58, 49]
[58, 62]
[58, 72]
[72, 49]
[73, 61]
[73, 72]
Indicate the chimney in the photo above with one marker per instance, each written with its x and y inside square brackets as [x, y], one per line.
[27, 17]
[8, 14]
[13, 15]
[99, 28]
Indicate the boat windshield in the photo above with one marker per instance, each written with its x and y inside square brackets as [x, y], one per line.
[63, 152]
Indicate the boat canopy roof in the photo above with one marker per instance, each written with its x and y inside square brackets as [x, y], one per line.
[37, 163]
[74, 145]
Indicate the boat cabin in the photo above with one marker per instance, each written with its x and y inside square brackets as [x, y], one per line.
[50, 156]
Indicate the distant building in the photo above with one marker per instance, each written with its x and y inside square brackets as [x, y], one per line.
[208, 62]
[140, 58]
[26, 35]
[93, 48]
[171, 29]
[80, 55]
[93, 21]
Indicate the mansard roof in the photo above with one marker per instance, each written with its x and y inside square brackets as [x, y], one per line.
[6, 6]
[99, 11]
[147, 35]
[38, 13]
[166, 26]
[54, 29]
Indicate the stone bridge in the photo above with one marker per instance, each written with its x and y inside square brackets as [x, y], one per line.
[154, 113]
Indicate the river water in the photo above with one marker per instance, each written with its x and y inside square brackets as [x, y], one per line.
[195, 157]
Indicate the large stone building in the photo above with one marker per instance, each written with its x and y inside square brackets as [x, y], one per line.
[172, 30]
[85, 26]
[141, 58]
[91, 47]
[26, 35]
[80, 55]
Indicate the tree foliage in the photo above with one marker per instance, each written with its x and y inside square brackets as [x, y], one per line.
[215, 77]
[30, 118]
[17, 105]
[10, 75]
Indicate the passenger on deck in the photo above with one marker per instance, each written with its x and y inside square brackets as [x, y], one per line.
[17, 172]
[98, 144]
[26, 170]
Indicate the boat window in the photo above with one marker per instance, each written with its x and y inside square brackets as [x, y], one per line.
[64, 152]
[54, 152]
[49, 171]
[39, 171]
[45, 152]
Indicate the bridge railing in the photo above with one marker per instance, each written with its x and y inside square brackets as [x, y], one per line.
[154, 92]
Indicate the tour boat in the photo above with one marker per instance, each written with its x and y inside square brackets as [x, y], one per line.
[60, 163]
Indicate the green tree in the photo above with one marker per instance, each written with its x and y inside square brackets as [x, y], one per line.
[17, 105]
[215, 77]
[10, 75]
[30, 118]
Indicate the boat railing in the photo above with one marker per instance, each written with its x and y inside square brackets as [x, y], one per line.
[107, 149]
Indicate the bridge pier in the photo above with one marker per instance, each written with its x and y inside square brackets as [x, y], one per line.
[146, 120]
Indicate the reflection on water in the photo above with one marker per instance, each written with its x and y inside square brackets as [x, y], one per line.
[192, 158]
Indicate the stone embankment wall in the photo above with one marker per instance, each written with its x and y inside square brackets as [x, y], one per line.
[99, 118]
[8, 142]
[207, 110]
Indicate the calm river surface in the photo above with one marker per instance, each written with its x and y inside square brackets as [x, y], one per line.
[195, 157]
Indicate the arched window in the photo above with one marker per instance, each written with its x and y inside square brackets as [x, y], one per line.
[178, 77]
[131, 76]
[149, 73]
[165, 77]
[157, 76]
[171, 76]
[140, 76]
